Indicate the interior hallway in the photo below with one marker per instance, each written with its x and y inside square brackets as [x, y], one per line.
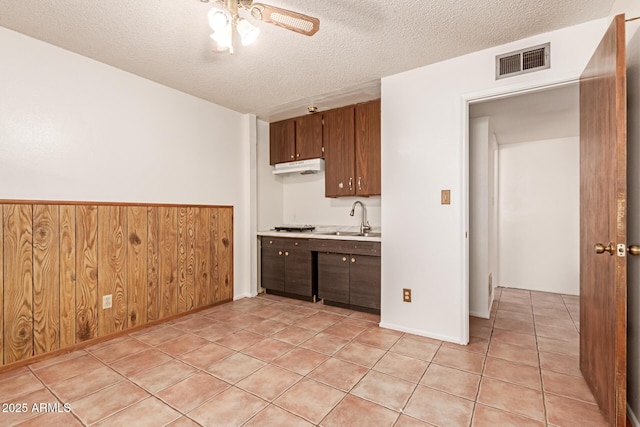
[270, 361]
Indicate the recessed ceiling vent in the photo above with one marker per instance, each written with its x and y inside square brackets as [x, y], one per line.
[523, 61]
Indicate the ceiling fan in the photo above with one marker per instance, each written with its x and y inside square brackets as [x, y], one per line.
[224, 17]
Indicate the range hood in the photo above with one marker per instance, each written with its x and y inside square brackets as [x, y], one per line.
[303, 166]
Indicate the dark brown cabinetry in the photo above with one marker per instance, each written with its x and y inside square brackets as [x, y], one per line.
[287, 266]
[296, 139]
[368, 155]
[349, 273]
[352, 150]
[339, 154]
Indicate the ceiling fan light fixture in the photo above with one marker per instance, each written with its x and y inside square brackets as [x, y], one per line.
[248, 32]
[223, 39]
[219, 19]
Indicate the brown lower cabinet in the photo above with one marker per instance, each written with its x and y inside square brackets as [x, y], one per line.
[349, 279]
[287, 266]
[349, 273]
[341, 272]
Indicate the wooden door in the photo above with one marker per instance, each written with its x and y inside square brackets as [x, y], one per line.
[367, 146]
[603, 281]
[339, 152]
[309, 137]
[282, 141]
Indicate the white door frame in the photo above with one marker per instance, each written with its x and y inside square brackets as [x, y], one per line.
[466, 100]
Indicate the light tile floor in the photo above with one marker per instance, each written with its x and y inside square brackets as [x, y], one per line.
[270, 361]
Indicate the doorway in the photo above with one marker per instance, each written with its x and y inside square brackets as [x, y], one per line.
[524, 194]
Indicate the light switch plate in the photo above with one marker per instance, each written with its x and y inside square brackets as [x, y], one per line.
[445, 197]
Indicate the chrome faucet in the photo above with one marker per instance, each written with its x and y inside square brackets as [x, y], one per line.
[364, 224]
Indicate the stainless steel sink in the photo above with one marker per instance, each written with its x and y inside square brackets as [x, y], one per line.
[370, 234]
[341, 233]
[352, 233]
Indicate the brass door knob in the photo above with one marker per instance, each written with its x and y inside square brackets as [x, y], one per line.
[633, 250]
[600, 248]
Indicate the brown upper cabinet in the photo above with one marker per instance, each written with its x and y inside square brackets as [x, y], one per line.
[352, 150]
[296, 139]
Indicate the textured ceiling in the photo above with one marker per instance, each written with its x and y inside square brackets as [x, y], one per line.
[359, 42]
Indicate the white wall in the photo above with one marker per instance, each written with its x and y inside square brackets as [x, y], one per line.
[494, 190]
[270, 191]
[75, 129]
[423, 151]
[305, 203]
[480, 215]
[539, 215]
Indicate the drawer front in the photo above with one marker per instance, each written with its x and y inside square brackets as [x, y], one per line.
[296, 244]
[272, 242]
[284, 243]
[357, 247]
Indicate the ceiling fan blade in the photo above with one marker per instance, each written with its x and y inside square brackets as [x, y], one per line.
[284, 18]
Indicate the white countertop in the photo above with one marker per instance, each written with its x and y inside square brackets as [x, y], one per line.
[324, 232]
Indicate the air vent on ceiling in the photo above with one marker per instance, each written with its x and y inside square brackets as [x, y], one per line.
[523, 61]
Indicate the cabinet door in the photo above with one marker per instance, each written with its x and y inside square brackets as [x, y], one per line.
[367, 146]
[282, 137]
[364, 290]
[309, 137]
[333, 277]
[272, 268]
[298, 272]
[339, 152]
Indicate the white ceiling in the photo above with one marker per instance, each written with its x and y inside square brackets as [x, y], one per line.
[534, 116]
[359, 42]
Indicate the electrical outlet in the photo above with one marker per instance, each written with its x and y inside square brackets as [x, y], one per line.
[107, 301]
[406, 295]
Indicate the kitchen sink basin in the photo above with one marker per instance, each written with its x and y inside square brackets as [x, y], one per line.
[370, 234]
[351, 233]
[341, 233]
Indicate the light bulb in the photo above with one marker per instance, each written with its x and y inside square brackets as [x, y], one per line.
[223, 38]
[248, 33]
[218, 19]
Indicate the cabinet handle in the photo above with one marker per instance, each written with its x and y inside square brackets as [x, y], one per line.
[279, 253]
[359, 183]
[298, 155]
[286, 254]
[344, 259]
[296, 244]
[353, 260]
[271, 242]
[292, 156]
[350, 183]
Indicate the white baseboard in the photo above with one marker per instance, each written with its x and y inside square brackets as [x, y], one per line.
[632, 417]
[420, 333]
[244, 295]
[478, 314]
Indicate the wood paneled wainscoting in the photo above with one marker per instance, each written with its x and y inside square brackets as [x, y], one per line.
[59, 259]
